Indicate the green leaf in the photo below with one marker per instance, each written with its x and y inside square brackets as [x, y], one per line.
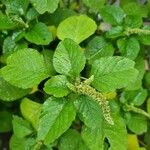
[89, 111]
[59, 15]
[77, 28]
[10, 46]
[129, 47]
[134, 8]
[25, 68]
[6, 23]
[98, 47]
[136, 97]
[18, 7]
[39, 34]
[114, 32]
[145, 39]
[31, 14]
[57, 116]
[71, 140]
[148, 105]
[21, 127]
[112, 14]
[140, 66]
[9, 92]
[48, 57]
[45, 5]
[94, 137]
[94, 5]
[137, 123]
[6, 121]
[31, 111]
[56, 86]
[133, 21]
[69, 58]
[17, 143]
[111, 73]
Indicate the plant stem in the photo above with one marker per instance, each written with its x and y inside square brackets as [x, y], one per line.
[137, 110]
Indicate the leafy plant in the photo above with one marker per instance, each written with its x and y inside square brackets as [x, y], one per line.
[74, 75]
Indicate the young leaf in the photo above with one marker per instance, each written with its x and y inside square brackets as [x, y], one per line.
[57, 116]
[71, 140]
[112, 14]
[77, 28]
[25, 68]
[31, 111]
[45, 5]
[56, 86]
[21, 127]
[69, 58]
[39, 34]
[9, 92]
[111, 73]
[129, 47]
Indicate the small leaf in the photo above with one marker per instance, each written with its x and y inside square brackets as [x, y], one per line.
[111, 73]
[137, 123]
[77, 28]
[9, 92]
[39, 34]
[129, 47]
[57, 116]
[21, 127]
[69, 58]
[148, 105]
[25, 68]
[56, 86]
[45, 5]
[31, 111]
[112, 14]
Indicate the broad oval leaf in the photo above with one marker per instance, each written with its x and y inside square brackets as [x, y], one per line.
[39, 34]
[77, 28]
[25, 68]
[56, 86]
[111, 73]
[69, 58]
[57, 116]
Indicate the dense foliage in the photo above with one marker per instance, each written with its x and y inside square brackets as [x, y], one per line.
[75, 74]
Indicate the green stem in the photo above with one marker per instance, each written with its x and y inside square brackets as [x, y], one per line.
[137, 110]
[130, 31]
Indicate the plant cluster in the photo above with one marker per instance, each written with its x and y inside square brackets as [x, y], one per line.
[74, 74]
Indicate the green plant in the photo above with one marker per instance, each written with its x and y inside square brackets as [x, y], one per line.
[74, 75]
